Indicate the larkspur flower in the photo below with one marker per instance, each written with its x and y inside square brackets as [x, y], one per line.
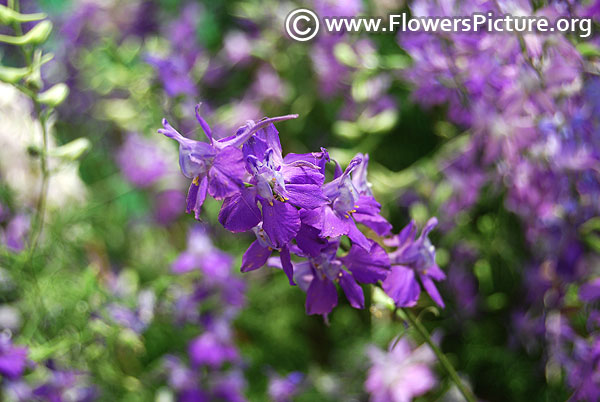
[334, 218]
[216, 167]
[317, 275]
[400, 374]
[413, 258]
[279, 184]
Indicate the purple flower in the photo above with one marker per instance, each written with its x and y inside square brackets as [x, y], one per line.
[141, 161]
[230, 387]
[168, 206]
[63, 383]
[216, 167]
[280, 185]
[368, 209]
[413, 258]
[15, 234]
[136, 319]
[400, 374]
[261, 249]
[283, 389]
[212, 350]
[201, 254]
[318, 275]
[334, 219]
[13, 359]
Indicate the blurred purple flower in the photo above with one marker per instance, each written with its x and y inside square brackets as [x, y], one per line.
[283, 389]
[13, 359]
[168, 206]
[141, 161]
[400, 374]
[212, 350]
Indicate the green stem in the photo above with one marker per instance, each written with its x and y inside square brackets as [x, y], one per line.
[38, 222]
[440, 355]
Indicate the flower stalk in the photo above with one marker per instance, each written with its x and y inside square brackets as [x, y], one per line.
[416, 324]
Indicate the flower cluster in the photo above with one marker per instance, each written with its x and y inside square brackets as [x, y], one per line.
[215, 368]
[291, 208]
[530, 104]
[58, 385]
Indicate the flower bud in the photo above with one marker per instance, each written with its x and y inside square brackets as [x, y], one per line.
[36, 35]
[72, 150]
[54, 96]
[9, 16]
[12, 75]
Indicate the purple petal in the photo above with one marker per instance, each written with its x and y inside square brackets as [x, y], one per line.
[286, 264]
[255, 257]
[240, 212]
[303, 275]
[208, 349]
[432, 290]
[281, 222]
[435, 272]
[590, 291]
[358, 237]
[367, 266]
[431, 223]
[334, 226]
[321, 296]
[353, 291]
[203, 124]
[247, 132]
[196, 196]
[186, 262]
[309, 241]
[407, 234]
[12, 361]
[318, 159]
[367, 213]
[309, 196]
[226, 174]
[402, 286]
